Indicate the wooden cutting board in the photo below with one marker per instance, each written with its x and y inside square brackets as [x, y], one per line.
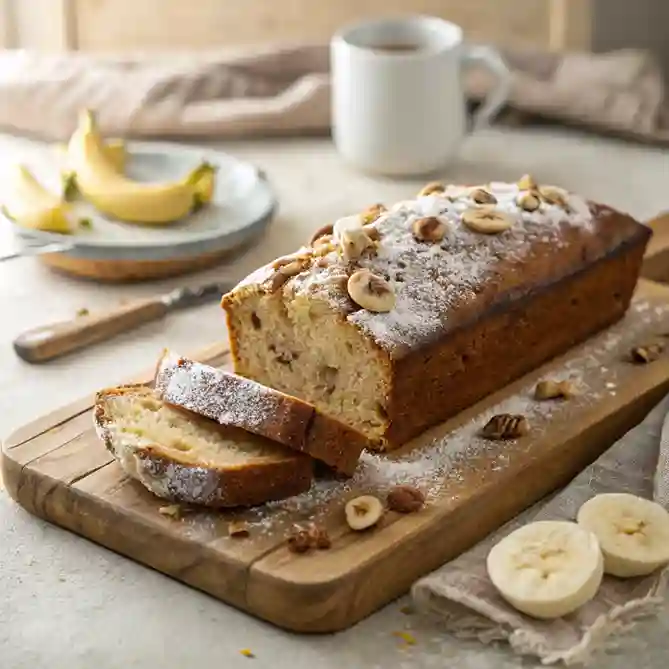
[57, 469]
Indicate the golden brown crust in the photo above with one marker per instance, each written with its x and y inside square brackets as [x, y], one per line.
[438, 381]
[177, 477]
[235, 401]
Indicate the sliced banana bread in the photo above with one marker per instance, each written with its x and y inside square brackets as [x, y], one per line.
[238, 402]
[186, 458]
[395, 320]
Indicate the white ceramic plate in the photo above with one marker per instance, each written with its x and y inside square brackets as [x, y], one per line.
[243, 204]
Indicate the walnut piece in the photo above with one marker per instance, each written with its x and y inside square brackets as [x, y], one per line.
[319, 537]
[405, 499]
[506, 426]
[299, 541]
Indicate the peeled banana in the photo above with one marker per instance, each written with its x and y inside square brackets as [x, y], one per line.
[30, 205]
[116, 195]
[547, 569]
[633, 532]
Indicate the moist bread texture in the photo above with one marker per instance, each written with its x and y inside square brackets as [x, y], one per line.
[235, 401]
[486, 283]
[184, 458]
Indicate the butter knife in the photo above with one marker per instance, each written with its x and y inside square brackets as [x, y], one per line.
[52, 341]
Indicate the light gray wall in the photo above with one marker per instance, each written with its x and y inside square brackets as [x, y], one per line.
[633, 23]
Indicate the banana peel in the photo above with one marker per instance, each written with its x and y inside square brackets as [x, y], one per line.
[120, 197]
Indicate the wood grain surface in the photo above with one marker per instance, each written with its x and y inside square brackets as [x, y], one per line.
[58, 470]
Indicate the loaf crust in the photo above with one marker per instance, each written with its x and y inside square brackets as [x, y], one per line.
[173, 475]
[239, 402]
[472, 311]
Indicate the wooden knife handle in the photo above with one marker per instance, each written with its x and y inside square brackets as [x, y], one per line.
[51, 341]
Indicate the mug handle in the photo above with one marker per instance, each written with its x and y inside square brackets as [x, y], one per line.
[497, 98]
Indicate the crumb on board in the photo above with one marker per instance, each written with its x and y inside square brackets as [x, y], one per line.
[246, 652]
[238, 528]
[173, 511]
[407, 610]
[83, 312]
[86, 223]
[406, 637]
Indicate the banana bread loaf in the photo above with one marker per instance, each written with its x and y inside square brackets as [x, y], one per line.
[395, 320]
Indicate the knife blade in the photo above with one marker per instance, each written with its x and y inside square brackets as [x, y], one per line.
[47, 342]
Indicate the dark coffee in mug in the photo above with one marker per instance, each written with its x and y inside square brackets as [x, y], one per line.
[396, 47]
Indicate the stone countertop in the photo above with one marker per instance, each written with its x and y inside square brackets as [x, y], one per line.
[69, 604]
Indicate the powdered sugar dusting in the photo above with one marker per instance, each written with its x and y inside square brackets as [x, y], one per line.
[216, 394]
[431, 281]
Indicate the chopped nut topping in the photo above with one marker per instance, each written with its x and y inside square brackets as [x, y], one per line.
[372, 213]
[486, 219]
[370, 291]
[325, 230]
[428, 229]
[527, 182]
[431, 188]
[481, 196]
[529, 202]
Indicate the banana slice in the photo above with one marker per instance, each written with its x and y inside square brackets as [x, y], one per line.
[547, 569]
[633, 532]
[486, 219]
[370, 291]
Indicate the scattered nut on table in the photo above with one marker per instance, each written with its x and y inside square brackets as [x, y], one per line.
[506, 426]
[548, 390]
[363, 512]
[299, 541]
[238, 529]
[647, 353]
[172, 510]
[319, 537]
[405, 499]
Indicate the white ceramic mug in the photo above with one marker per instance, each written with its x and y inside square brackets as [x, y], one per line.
[398, 104]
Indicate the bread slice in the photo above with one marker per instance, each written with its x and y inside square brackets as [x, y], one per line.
[236, 401]
[186, 458]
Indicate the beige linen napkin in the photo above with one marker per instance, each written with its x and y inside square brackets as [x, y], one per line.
[286, 90]
[461, 595]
